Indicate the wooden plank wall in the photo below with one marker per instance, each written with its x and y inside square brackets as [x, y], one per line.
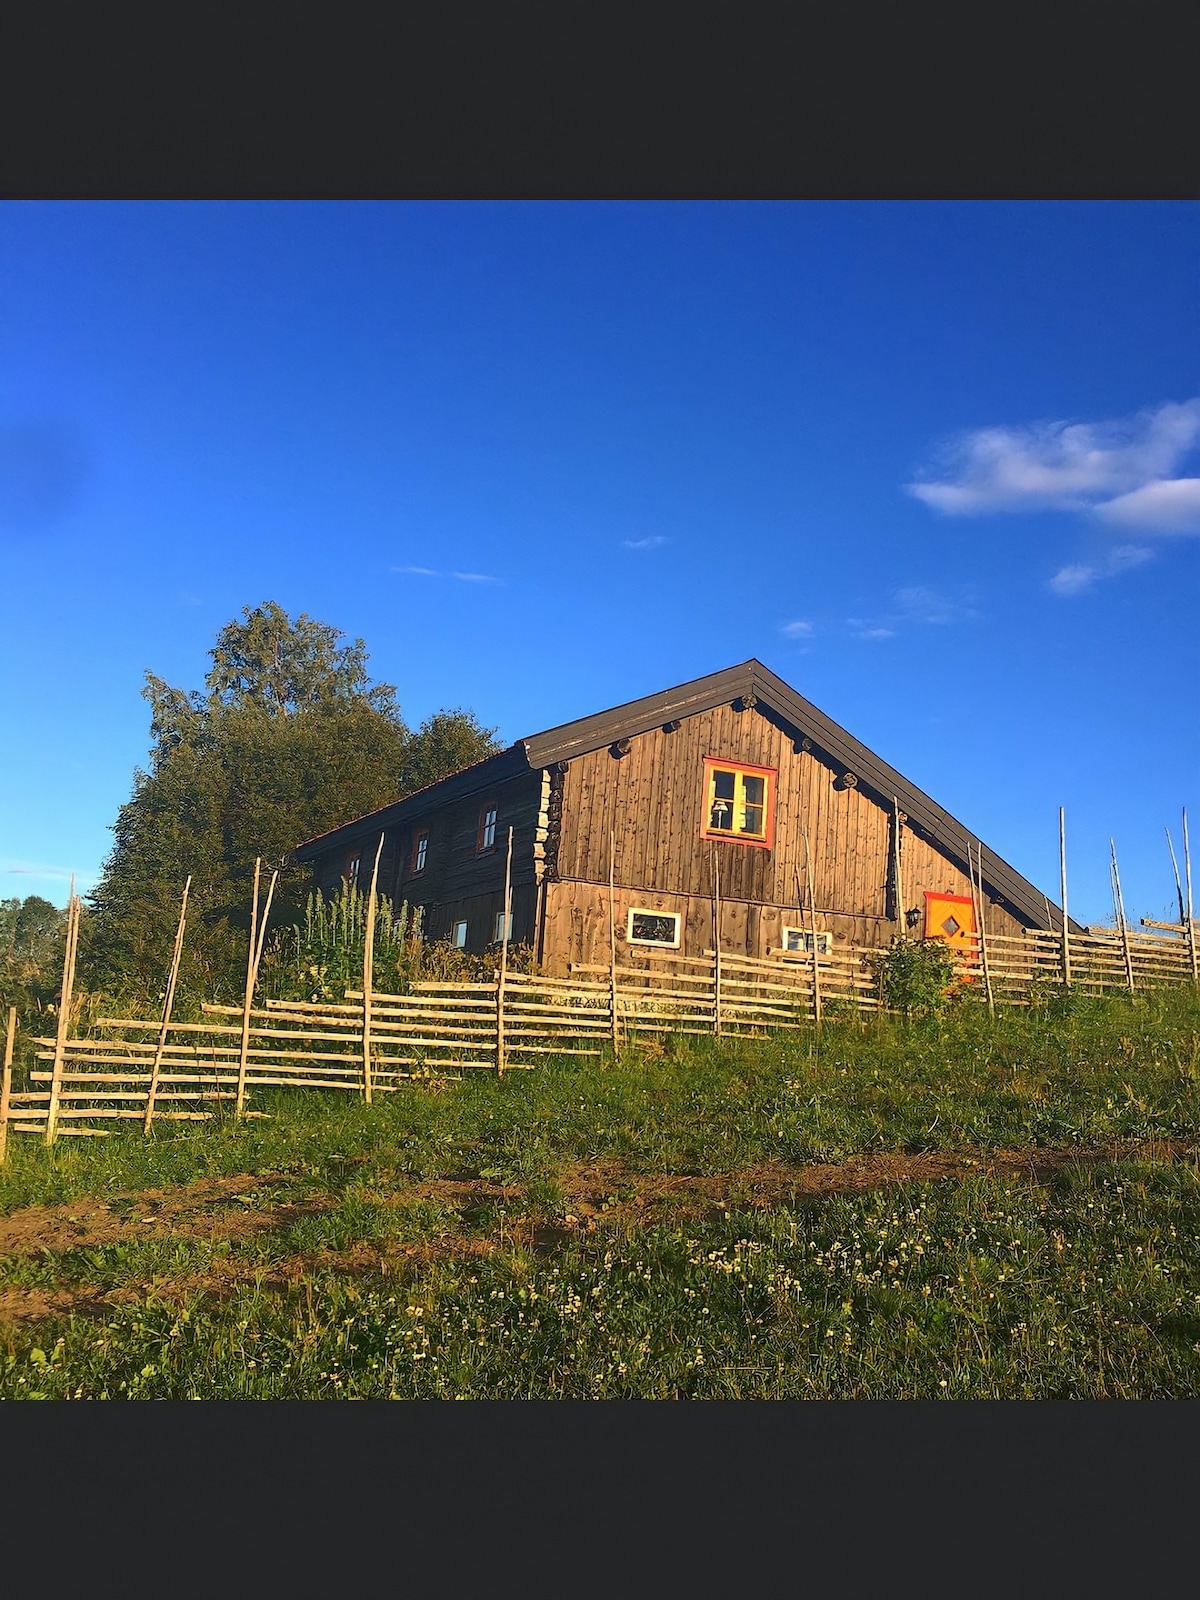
[458, 881]
[653, 800]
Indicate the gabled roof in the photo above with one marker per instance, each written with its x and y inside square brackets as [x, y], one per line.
[752, 682]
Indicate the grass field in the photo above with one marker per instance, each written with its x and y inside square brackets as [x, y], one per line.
[961, 1207]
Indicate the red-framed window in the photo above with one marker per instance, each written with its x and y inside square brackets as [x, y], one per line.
[739, 802]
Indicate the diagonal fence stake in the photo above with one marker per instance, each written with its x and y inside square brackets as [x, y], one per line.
[168, 1003]
[612, 942]
[6, 1080]
[1062, 873]
[502, 975]
[369, 974]
[64, 1015]
[251, 952]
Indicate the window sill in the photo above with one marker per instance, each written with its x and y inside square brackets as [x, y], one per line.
[738, 838]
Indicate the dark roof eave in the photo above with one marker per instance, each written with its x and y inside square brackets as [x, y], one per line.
[510, 763]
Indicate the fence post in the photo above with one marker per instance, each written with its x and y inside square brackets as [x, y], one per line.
[369, 973]
[981, 920]
[1119, 906]
[812, 926]
[716, 867]
[1062, 872]
[1191, 915]
[502, 978]
[612, 940]
[6, 1081]
[64, 1015]
[251, 950]
[168, 1003]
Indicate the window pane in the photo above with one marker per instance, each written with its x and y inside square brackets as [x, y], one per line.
[752, 819]
[754, 789]
[721, 807]
[460, 935]
[654, 929]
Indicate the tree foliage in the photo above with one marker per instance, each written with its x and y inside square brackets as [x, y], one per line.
[917, 976]
[31, 954]
[289, 739]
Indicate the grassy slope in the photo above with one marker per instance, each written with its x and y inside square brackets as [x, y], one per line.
[652, 1229]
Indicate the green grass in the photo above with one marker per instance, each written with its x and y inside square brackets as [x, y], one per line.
[427, 1246]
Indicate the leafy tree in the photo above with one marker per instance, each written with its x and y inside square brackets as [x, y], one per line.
[31, 953]
[289, 739]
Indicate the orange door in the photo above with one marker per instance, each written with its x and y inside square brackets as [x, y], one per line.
[951, 917]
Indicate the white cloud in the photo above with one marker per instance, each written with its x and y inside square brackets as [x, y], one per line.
[1122, 468]
[652, 543]
[1073, 580]
[876, 633]
[796, 630]
[918, 604]
[1168, 505]
[420, 572]
[474, 577]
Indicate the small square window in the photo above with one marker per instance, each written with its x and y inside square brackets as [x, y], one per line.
[486, 838]
[739, 802]
[503, 927]
[801, 939]
[420, 850]
[653, 927]
[460, 935]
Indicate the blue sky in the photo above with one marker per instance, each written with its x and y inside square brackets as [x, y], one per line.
[936, 464]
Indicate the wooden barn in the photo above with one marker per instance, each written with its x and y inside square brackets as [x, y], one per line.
[731, 791]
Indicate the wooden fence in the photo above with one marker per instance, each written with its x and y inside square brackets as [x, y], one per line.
[154, 1070]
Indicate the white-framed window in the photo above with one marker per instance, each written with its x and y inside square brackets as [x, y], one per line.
[801, 939]
[420, 851]
[486, 839]
[647, 926]
[352, 867]
[460, 936]
[502, 931]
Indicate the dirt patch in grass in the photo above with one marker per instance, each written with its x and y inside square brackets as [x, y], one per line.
[210, 1208]
[608, 1191]
[595, 1195]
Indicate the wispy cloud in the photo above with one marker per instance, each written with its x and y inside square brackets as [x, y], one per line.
[796, 630]
[654, 541]
[914, 606]
[462, 577]
[32, 869]
[1125, 469]
[922, 605]
[1073, 580]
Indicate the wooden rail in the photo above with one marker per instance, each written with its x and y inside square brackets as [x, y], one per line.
[155, 1069]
